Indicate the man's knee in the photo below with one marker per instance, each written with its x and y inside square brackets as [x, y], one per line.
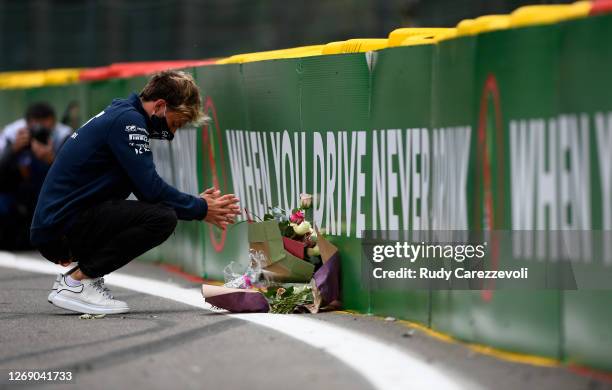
[165, 221]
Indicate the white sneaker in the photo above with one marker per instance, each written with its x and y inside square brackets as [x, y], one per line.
[57, 281]
[91, 297]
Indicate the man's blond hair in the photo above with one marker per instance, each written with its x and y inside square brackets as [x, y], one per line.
[180, 92]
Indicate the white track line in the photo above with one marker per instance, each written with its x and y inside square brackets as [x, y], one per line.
[382, 364]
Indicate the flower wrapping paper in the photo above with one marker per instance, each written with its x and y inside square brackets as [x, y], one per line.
[235, 300]
[283, 266]
[325, 288]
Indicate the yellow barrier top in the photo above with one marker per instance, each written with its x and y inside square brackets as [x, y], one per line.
[61, 76]
[294, 52]
[464, 26]
[38, 78]
[355, 45]
[429, 38]
[452, 33]
[398, 36]
[523, 16]
[545, 14]
[483, 24]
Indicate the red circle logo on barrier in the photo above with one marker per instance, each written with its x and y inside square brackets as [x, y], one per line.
[212, 144]
[490, 139]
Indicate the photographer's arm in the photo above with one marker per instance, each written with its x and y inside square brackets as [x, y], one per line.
[43, 152]
[22, 140]
[8, 163]
[6, 157]
[9, 173]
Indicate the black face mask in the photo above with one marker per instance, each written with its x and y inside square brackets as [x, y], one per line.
[159, 128]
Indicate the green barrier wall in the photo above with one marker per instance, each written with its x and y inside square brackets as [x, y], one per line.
[507, 130]
[523, 84]
[453, 104]
[585, 83]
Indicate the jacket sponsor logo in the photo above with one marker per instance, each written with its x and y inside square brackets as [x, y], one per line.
[140, 148]
[138, 137]
[134, 128]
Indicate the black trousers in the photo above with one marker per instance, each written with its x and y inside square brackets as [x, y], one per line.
[106, 237]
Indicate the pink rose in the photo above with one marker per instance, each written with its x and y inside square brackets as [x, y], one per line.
[297, 217]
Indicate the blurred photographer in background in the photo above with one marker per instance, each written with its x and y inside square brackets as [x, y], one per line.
[28, 146]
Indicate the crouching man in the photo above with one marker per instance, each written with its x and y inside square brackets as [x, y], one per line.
[82, 214]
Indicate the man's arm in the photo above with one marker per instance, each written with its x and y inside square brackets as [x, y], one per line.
[129, 142]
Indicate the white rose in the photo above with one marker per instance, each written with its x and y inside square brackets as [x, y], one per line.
[305, 201]
[314, 251]
[302, 228]
[313, 236]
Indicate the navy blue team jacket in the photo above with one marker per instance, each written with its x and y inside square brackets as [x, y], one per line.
[106, 159]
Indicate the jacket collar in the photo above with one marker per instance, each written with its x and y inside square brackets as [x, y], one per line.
[134, 100]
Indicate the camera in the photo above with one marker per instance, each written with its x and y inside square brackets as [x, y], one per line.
[40, 133]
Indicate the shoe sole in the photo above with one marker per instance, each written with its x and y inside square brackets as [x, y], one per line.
[86, 308]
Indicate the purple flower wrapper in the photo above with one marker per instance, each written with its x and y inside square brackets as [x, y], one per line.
[235, 300]
[327, 281]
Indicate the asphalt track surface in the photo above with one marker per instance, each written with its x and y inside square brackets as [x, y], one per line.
[164, 344]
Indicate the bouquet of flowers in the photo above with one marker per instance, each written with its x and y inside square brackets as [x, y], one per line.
[285, 300]
[292, 268]
[298, 233]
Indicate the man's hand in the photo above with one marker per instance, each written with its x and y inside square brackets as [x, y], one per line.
[211, 192]
[65, 262]
[42, 151]
[22, 140]
[222, 209]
